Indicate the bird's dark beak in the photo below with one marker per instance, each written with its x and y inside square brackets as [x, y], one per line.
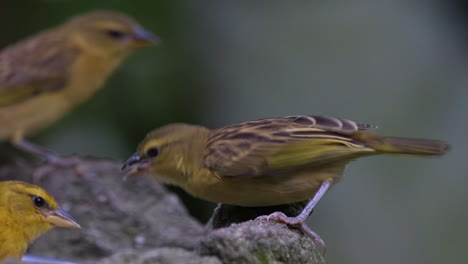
[135, 158]
[135, 165]
[142, 37]
[58, 217]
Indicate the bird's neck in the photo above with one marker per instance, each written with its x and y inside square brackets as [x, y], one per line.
[90, 71]
[186, 161]
[14, 239]
[21, 228]
[86, 80]
[13, 243]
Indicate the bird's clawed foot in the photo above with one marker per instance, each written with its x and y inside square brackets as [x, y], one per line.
[295, 221]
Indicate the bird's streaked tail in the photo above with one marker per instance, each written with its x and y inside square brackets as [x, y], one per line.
[413, 146]
[398, 145]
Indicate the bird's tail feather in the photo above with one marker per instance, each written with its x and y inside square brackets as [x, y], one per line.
[411, 146]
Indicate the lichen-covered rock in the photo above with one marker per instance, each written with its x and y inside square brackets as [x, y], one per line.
[260, 242]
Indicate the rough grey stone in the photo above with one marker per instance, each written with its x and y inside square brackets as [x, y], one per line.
[139, 222]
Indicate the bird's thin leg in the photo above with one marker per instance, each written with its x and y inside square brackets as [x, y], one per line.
[29, 147]
[313, 202]
[300, 219]
[53, 160]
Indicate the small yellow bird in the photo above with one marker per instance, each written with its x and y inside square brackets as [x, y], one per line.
[265, 162]
[26, 212]
[47, 75]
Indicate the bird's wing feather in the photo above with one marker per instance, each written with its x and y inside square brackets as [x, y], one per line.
[271, 145]
[34, 66]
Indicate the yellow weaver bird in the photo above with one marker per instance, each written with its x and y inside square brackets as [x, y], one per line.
[265, 162]
[26, 212]
[47, 75]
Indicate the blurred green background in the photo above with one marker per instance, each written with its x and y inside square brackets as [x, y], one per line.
[401, 65]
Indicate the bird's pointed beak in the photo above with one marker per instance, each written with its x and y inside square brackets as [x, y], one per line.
[142, 38]
[135, 165]
[135, 158]
[58, 217]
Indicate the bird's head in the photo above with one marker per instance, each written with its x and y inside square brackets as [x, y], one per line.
[169, 152]
[108, 32]
[33, 209]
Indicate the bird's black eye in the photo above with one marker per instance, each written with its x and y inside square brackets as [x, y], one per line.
[39, 201]
[115, 33]
[152, 152]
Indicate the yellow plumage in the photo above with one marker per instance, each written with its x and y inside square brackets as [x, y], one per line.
[265, 162]
[45, 76]
[26, 212]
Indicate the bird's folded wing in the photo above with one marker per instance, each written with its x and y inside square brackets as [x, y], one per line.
[271, 145]
[38, 65]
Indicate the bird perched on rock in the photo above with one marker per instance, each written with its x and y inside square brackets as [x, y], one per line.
[26, 212]
[265, 162]
[47, 75]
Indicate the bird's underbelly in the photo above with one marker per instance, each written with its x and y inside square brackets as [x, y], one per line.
[268, 190]
[32, 115]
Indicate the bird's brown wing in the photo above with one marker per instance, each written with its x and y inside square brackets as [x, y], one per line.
[37, 65]
[269, 145]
